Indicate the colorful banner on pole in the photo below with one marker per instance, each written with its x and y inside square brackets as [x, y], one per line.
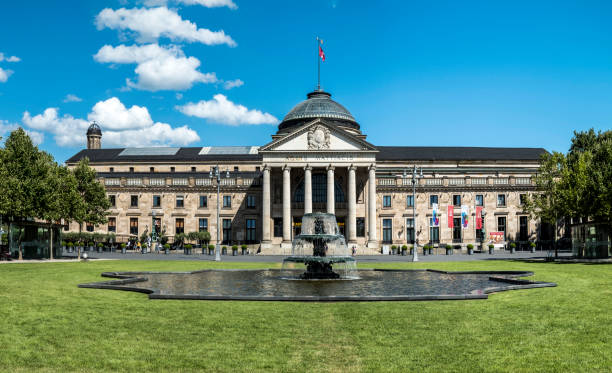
[435, 219]
[449, 216]
[479, 217]
[465, 211]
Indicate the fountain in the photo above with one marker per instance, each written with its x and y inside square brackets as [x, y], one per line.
[319, 247]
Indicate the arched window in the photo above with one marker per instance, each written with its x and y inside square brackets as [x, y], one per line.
[319, 190]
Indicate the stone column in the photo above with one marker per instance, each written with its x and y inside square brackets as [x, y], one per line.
[307, 189]
[352, 205]
[372, 241]
[286, 204]
[265, 224]
[331, 203]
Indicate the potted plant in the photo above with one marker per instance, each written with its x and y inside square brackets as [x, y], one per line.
[449, 249]
[470, 248]
[91, 245]
[166, 248]
[70, 247]
[404, 249]
[211, 249]
[394, 249]
[244, 249]
[123, 245]
[425, 249]
[234, 250]
[188, 248]
[512, 248]
[431, 247]
[411, 249]
[491, 248]
[100, 246]
[532, 247]
[224, 250]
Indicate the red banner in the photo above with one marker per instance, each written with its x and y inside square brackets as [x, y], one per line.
[449, 216]
[479, 217]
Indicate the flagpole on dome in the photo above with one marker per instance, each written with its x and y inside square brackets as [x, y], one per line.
[318, 65]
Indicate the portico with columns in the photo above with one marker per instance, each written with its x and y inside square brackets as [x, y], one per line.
[318, 167]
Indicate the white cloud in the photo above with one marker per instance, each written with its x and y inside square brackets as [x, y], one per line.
[4, 75]
[233, 84]
[120, 126]
[221, 110]
[9, 59]
[151, 24]
[206, 3]
[158, 68]
[6, 128]
[72, 98]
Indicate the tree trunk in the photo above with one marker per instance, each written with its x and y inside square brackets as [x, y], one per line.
[50, 241]
[79, 247]
[555, 241]
[19, 246]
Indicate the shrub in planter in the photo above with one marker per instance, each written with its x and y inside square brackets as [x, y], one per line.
[123, 245]
[491, 248]
[224, 250]
[470, 248]
[431, 247]
[449, 249]
[70, 246]
[188, 248]
[404, 248]
[244, 249]
[394, 249]
[532, 247]
[166, 248]
[91, 245]
[425, 249]
[234, 250]
[100, 246]
[211, 249]
[512, 247]
[411, 249]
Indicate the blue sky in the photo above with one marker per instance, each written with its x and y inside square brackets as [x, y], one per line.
[443, 73]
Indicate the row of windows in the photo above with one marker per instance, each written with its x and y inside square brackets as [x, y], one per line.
[173, 169]
[434, 231]
[479, 200]
[179, 227]
[180, 201]
[297, 224]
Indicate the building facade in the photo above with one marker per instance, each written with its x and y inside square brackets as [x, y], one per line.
[319, 161]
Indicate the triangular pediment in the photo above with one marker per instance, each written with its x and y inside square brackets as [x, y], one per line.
[318, 135]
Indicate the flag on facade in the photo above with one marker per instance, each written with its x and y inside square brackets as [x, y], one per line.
[449, 216]
[436, 221]
[479, 217]
[465, 210]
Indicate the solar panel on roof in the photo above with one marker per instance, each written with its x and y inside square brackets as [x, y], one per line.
[228, 150]
[148, 151]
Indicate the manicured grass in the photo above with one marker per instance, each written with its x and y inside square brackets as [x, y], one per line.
[48, 324]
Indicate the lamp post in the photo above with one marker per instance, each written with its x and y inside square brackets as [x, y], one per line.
[416, 174]
[214, 172]
[484, 229]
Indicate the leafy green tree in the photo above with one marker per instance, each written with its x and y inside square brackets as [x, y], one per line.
[94, 203]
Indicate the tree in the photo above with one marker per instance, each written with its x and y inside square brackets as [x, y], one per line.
[93, 201]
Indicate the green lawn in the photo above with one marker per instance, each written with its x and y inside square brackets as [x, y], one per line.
[48, 324]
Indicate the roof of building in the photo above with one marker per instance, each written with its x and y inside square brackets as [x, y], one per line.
[249, 153]
[318, 105]
[94, 129]
[457, 153]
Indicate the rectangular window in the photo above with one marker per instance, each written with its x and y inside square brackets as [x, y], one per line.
[180, 201]
[250, 201]
[456, 200]
[479, 200]
[203, 201]
[409, 201]
[134, 226]
[410, 231]
[227, 231]
[133, 201]
[227, 201]
[522, 199]
[523, 229]
[387, 231]
[179, 226]
[433, 199]
[278, 227]
[112, 224]
[386, 201]
[360, 227]
[251, 231]
[203, 225]
[501, 200]
[89, 227]
[434, 232]
[157, 181]
[156, 201]
[456, 229]
[112, 200]
[501, 225]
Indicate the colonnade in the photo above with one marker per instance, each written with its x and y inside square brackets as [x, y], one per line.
[351, 201]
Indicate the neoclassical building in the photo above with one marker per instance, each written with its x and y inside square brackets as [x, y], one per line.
[319, 160]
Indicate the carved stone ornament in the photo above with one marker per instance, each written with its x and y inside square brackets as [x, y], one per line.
[318, 138]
